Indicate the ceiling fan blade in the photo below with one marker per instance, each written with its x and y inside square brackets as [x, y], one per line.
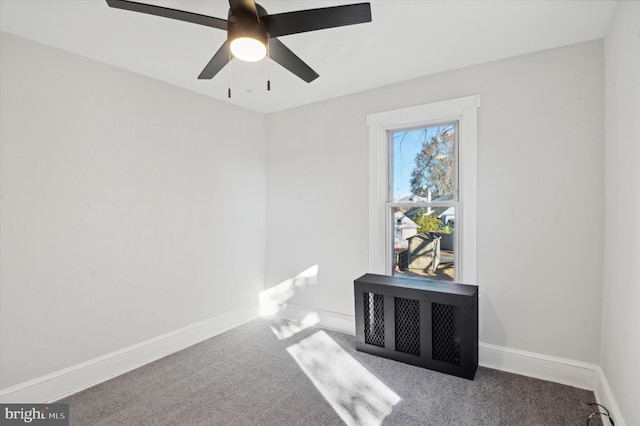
[281, 24]
[166, 12]
[285, 57]
[219, 60]
[243, 7]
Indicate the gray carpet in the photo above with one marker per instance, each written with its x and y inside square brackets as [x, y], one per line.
[250, 376]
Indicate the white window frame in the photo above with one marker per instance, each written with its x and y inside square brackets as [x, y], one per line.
[464, 111]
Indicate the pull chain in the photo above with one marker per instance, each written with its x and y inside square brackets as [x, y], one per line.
[229, 75]
[268, 65]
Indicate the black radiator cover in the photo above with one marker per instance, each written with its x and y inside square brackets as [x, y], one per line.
[431, 324]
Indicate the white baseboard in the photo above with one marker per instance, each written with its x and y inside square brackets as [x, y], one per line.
[560, 370]
[605, 397]
[62, 383]
[330, 320]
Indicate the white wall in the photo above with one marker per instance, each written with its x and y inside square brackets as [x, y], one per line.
[118, 193]
[621, 277]
[130, 208]
[540, 195]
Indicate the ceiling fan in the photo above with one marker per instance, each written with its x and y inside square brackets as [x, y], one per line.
[252, 33]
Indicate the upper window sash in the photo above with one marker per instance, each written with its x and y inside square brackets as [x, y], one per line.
[391, 159]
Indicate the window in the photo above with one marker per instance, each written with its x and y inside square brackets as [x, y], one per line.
[422, 200]
[423, 191]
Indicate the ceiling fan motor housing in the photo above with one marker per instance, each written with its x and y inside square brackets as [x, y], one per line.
[249, 27]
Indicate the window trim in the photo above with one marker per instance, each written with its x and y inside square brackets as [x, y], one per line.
[464, 110]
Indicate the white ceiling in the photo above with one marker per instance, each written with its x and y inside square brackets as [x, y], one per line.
[406, 39]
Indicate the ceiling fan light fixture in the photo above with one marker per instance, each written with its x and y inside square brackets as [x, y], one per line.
[247, 39]
[248, 49]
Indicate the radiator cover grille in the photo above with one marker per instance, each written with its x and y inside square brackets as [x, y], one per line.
[374, 319]
[407, 319]
[445, 320]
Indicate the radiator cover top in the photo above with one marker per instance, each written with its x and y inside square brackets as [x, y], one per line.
[427, 323]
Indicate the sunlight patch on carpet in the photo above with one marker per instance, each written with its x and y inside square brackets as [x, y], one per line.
[357, 396]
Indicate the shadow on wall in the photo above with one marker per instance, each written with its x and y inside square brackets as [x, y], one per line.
[490, 324]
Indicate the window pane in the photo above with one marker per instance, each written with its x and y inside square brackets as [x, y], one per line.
[424, 164]
[424, 242]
